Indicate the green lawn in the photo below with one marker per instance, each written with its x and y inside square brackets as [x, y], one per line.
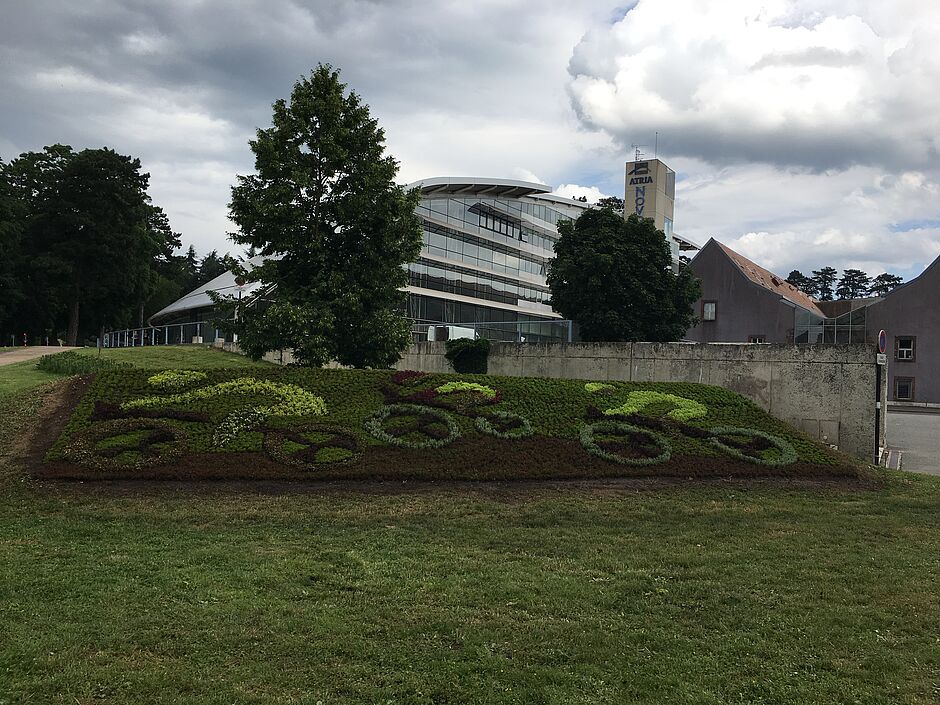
[722, 592]
[19, 376]
[175, 357]
[23, 375]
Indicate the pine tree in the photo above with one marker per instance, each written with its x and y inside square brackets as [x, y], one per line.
[884, 283]
[854, 284]
[802, 282]
[824, 279]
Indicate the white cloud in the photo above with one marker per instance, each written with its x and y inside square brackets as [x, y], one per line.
[592, 193]
[804, 132]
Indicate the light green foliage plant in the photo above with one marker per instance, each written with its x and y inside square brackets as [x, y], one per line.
[686, 409]
[291, 400]
[172, 380]
[461, 386]
[781, 452]
[595, 387]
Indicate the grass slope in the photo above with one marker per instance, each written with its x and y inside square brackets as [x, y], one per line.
[24, 375]
[339, 444]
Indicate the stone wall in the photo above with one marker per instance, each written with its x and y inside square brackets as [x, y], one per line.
[827, 391]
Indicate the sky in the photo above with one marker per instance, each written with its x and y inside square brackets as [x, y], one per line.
[804, 133]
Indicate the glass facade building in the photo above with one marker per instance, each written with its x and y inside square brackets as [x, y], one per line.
[486, 246]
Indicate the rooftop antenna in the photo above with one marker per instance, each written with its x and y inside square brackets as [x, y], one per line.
[656, 146]
[639, 154]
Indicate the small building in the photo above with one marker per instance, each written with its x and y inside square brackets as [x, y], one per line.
[744, 303]
[910, 316]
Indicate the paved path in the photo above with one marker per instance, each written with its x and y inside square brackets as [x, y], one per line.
[917, 435]
[30, 353]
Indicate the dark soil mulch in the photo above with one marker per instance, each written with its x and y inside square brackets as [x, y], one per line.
[477, 459]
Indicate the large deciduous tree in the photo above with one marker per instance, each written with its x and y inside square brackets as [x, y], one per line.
[90, 238]
[336, 230]
[614, 278]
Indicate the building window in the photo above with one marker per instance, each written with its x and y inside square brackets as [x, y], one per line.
[904, 388]
[904, 348]
[757, 338]
[709, 310]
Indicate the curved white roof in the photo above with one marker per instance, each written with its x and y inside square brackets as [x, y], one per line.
[477, 186]
[224, 284]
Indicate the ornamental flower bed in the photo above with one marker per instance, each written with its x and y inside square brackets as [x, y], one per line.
[290, 423]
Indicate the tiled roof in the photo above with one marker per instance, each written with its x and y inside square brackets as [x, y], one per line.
[773, 282]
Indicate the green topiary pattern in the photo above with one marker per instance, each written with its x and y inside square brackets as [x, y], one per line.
[504, 424]
[785, 452]
[589, 433]
[686, 409]
[426, 418]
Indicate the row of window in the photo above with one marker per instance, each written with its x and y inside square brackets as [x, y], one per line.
[428, 308]
[444, 242]
[457, 207]
[451, 280]
[475, 215]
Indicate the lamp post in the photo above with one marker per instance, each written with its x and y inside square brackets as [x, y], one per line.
[239, 287]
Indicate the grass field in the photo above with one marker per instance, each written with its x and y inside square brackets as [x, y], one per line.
[23, 375]
[720, 592]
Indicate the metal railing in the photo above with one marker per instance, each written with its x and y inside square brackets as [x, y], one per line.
[206, 333]
[173, 334]
[497, 331]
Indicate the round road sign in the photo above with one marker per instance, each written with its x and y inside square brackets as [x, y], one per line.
[882, 341]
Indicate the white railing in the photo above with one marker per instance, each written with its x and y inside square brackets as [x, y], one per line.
[173, 334]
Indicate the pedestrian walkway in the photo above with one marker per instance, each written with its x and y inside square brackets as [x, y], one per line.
[29, 353]
[917, 436]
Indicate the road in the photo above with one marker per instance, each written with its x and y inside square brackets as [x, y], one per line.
[30, 353]
[917, 435]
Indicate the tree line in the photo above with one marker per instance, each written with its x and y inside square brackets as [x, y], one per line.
[854, 283]
[83, 249]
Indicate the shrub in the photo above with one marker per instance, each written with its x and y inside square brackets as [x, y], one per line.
[595, 387]
[72, 363]
[685, 410]
[468, 356]
[173, 380]
[461, 386]
[637, 438]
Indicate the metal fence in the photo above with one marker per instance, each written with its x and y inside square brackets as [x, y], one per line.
[496, 331]
[205, 332]
[175, 334]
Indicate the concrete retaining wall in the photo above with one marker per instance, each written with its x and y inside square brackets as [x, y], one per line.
[827, 391]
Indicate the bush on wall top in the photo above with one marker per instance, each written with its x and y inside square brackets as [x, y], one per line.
[468, 356]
